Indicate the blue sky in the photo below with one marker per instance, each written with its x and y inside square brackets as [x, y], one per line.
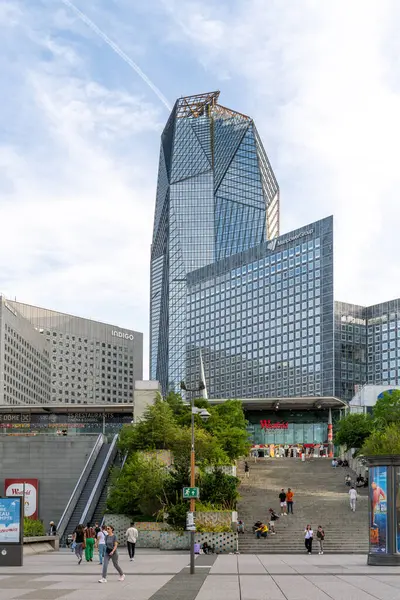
[79, 135]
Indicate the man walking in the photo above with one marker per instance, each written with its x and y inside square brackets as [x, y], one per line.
[282, 499]
[89, 542]
[320, 538]
[131, 537]
[353, 498]
[246, 469]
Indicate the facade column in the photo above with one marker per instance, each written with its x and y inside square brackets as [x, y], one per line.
[330, 434]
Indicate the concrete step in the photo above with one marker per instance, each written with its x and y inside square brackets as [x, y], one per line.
[321, 497]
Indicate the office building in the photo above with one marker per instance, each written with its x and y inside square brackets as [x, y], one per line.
[91, 362]
[263, 319]
[24, 360]
[217, 196]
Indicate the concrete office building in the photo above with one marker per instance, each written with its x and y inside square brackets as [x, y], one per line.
[24, 360]
[216, 196]
[91, 362]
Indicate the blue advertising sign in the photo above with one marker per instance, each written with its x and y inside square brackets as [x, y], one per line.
[10, 520]
[378, 509]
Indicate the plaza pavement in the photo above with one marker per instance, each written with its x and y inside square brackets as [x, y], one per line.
[158, 575]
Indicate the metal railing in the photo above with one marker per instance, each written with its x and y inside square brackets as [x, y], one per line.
[69, 509]
[100, 481]
[121, 467]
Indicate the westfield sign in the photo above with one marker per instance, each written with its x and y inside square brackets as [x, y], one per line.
[268, 425]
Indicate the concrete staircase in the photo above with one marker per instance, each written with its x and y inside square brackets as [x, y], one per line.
[321, 498]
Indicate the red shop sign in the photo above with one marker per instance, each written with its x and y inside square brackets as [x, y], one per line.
[268, 425]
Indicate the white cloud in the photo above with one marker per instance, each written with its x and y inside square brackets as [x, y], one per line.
[77, 183]
[322, 84]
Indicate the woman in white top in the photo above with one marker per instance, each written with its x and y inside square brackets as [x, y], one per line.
[308, 538]
[101, 543]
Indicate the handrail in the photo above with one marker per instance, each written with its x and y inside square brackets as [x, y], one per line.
[96, 486]
[63, 522]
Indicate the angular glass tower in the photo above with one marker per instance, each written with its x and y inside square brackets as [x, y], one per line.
[216, 196]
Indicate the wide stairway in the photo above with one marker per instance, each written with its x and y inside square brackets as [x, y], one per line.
[320, 498]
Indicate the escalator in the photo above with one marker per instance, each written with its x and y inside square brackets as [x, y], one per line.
[87, 491]
[101, 506]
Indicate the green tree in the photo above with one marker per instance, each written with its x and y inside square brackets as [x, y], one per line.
[219, 489]
[386, 441]
[207, 448]
[353, 430]
[154, 431]
[139, 487]
[228, 424]
[387, 409]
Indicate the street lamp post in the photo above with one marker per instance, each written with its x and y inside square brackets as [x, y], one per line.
[204, 414]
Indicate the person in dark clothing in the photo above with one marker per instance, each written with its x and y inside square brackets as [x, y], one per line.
[282, 500]
[79, 538]
[272, 518]
[53, 528]
[256, 525]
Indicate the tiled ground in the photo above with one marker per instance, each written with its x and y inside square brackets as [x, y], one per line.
[165, 576]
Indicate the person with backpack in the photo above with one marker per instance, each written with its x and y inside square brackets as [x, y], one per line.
[320, 538]
[90, 536]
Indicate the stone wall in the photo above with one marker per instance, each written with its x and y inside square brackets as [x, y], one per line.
[160, 535]
[221, 518]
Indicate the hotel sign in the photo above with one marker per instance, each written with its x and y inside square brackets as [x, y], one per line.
[266, 424]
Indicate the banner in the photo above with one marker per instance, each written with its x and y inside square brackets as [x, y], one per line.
[378, 509]
[10, 520]
[15, 487]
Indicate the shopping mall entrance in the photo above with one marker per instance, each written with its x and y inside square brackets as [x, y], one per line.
[289, 427]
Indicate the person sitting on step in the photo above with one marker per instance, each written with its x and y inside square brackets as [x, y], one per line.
[262, 531]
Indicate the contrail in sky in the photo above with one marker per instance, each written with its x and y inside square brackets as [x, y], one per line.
[118, 50]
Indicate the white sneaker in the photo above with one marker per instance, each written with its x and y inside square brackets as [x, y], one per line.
[321, 552]
[102, 580]
[122, 578]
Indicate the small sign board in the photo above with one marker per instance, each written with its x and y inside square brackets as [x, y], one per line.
[190, 522]
[191, 492]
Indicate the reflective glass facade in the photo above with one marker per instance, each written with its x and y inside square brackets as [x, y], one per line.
[350, 349]
[263, 318]
[383, 343]
[216, 196]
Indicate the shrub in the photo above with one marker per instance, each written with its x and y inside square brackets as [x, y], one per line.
[33, 528]
[219, 489]
[383, 442]
[177, 515]
[213, 528]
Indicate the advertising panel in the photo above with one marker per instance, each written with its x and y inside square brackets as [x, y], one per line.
[398, 509]
[378, 509]
[10, 520]
[15, 487]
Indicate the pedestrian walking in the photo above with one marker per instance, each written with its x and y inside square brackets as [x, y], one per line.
[90, 536]
[111, 554]
[132, 535]
[101, 543]
[308, 538]
[289, 500]
[282, 500]
[320, 538]
[272, 518]
[79, 540]
[246, 470]
[353, 498]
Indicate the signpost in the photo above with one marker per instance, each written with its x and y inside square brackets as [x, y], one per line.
[191, 492]
[11, 531]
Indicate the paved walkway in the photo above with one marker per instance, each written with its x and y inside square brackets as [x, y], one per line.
[164, 576]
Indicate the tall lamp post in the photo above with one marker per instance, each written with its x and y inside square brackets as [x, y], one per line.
[205, 415]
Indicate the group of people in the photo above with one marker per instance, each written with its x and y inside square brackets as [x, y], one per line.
[262, 529]
[309, 536]
[104, 540]
[338, 462]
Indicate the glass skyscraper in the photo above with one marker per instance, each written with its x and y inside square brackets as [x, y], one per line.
[263, 319]
[217, 196]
